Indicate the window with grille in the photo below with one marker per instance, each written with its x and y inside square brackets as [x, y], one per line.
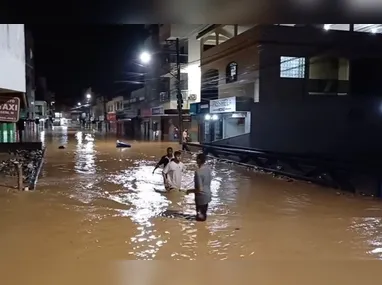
[292, 67]
[231, 72]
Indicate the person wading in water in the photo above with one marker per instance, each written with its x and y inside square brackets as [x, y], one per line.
[202, 188]
[172, 173]
[165, 160]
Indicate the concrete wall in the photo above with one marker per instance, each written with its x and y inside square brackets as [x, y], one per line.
[340, 125]
[241, 140]
[12, 57]
[193, 67]
[245, 52]
[257, 52]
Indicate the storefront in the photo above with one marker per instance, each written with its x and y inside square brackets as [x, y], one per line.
[227, 117]
[145, 116]
[156, 123]
[197, 113]
[128, 124]
[112, 120]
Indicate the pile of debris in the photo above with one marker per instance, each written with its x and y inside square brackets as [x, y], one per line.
[30, 161]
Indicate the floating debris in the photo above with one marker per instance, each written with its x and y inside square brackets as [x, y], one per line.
[122, 144]
[29, 160]
[61, 147]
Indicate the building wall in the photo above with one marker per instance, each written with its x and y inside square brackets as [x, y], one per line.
[41, 109]
[12, 57]
[257, 52]
[337, 125]
[288, 119]
[193, 67]
[243, 50]
[114, 105]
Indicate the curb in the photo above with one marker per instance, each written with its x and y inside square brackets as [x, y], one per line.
[33, 182]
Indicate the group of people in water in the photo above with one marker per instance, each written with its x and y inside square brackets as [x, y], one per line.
[172, 178]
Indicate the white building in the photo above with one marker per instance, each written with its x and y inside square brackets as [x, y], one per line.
[190, 46]
[12, 58]
[41, 109]
[12, 73]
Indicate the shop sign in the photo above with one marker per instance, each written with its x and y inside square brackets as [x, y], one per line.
[194, 108]
[111, 117]
[127, 114]
[157, 111]
[204, 108]
[145, 112]
[9, 109]
[224, 105]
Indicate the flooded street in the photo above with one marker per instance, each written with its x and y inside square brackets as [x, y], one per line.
[96, 203]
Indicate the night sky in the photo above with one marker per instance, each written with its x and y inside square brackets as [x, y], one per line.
[75, 57]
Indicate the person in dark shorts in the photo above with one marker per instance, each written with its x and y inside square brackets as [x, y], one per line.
[202, 188]
[165, 159]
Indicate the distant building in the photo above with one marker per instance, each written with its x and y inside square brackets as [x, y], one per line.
[112, 107]
[161, 83]
[41, 109]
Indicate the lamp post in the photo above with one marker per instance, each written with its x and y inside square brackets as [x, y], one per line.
[145, 58]
[88, 96]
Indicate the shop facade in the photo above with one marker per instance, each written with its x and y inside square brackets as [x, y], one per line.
[128, 123]
[112, 120]
[197, 112]
[145, 123]
[226, 118]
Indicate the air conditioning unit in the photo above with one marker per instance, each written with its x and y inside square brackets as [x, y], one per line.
[192, 97]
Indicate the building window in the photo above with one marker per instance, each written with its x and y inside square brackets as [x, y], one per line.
[292, 67]
[231, 72]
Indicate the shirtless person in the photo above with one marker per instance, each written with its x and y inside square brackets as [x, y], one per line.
[172, 173]
[165, 159]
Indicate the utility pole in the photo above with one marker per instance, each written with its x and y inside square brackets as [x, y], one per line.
[105, 114]
[179, 92]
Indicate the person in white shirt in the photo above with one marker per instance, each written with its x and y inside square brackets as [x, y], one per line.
[172, 173]
[185, 140]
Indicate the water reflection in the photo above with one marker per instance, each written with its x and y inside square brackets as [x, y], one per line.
[42, 138]
[100, 202]
[85, 154]
[369, 229]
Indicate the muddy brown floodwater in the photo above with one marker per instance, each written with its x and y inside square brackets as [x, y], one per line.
[95, 204]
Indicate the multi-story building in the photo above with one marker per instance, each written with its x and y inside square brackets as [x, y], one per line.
[112, 107]
[293, 88]
[164, 119]
[12, 77]
[30, 74]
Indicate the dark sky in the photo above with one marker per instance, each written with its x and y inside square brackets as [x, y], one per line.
[75, 57]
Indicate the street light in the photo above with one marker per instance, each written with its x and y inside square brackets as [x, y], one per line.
[88, 96]
[79, 104]
[145, 57]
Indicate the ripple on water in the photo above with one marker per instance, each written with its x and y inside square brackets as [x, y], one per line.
[369, 230]
[111, 195]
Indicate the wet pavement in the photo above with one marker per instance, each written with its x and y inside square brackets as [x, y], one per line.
[97, 203]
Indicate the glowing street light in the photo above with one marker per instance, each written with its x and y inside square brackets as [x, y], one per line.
[145, 57]
[79, 104]
[88, 96]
